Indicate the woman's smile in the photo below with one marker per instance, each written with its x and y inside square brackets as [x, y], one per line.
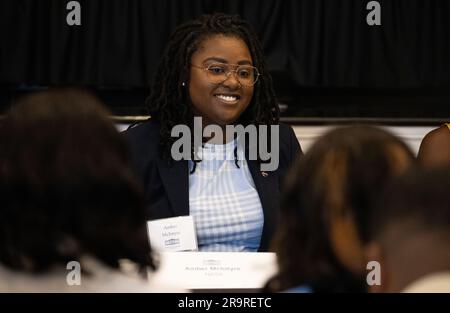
[228, 98]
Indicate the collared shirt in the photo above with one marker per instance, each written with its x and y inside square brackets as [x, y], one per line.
[224, 202]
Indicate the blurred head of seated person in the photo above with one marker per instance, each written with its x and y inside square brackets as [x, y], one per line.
[67, 194]
[214, 70]
[435, 147]
[325, 208]
[411, 233]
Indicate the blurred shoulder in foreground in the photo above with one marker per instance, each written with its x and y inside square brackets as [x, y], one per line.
[435, 147]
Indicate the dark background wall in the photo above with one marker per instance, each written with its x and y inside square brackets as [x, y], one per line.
[325, 59]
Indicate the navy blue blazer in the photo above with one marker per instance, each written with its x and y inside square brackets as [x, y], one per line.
[167, 186]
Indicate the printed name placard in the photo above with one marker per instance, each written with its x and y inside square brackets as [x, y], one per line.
[173, 234]
[216, 270]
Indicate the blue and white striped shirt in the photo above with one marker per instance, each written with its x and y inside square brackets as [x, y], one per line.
[224, 202]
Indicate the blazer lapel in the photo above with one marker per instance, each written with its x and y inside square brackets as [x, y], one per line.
[175, 178]
[266, 184]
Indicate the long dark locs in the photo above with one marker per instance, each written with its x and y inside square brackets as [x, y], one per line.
[169, 99]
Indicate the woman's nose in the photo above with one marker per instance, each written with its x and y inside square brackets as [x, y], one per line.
[232, 81]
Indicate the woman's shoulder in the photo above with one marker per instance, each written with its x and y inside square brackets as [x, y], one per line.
[435, 147]
[444, 130]
[143, 139]
[436, 138]
[289, 143]
[286, 131]
[149, 128]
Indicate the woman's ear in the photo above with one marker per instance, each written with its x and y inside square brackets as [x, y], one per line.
[376, 277]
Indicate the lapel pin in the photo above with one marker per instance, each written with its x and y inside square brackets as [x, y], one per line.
[264, 174]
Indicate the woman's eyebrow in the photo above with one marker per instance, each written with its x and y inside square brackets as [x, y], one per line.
[217, 59]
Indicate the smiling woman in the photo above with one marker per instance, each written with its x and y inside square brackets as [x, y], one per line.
[213, 68]
[218, 95]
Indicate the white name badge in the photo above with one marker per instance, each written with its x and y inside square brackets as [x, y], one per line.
[216, 270]
[173, 234]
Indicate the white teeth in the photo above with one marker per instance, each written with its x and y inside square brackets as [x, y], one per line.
[227, 98]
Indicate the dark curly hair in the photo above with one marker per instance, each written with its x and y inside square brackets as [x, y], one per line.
[66, 185]
[344, 171]
[168, 100]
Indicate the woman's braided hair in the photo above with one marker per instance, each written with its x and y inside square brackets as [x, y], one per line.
[169, 100]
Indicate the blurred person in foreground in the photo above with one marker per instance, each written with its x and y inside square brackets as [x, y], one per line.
[411, 231]
[68, 194]
[326, 206]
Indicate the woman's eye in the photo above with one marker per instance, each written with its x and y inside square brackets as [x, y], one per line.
[216, 70]
[244, 73]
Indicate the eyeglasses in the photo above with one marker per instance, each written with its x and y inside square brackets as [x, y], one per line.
[217, 73]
